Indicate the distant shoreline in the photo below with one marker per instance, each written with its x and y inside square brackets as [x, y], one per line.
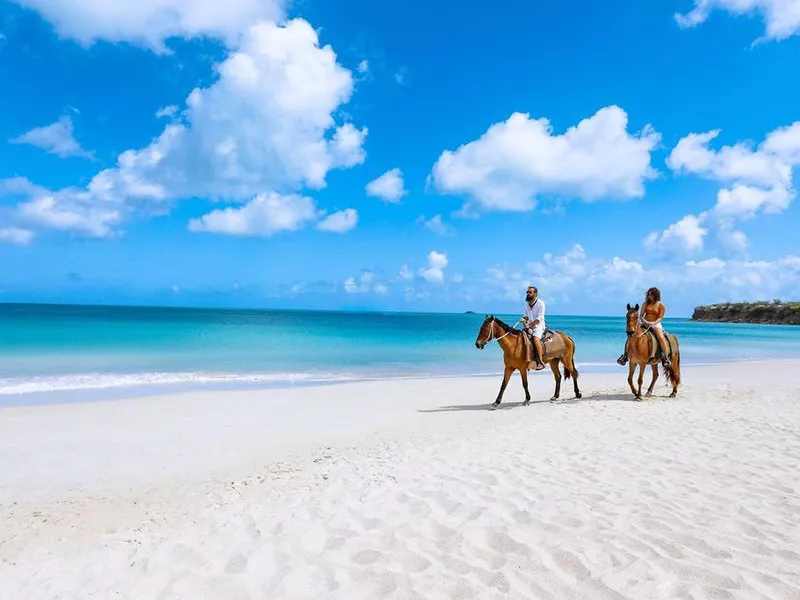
[760, 313]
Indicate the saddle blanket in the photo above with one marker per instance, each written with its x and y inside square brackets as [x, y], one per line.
[655, 347]
[552, 344]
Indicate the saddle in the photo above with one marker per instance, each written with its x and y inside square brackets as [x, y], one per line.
[655, 352]
[551, 345]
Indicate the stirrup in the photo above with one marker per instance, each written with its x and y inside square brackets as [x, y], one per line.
[622, 360]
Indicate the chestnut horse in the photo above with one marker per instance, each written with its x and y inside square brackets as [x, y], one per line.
[515, 356]
[641, 348]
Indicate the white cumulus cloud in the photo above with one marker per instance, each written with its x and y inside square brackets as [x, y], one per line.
[167, 111]
[437, 262]
[262, 126]
[71, 210]
[520, 159]
[389, 187]
[152, 22]
[264, 215]
[782, 17]
[339, 222]
[16, 236]
[740, 162]
[753, 180]
[366, 283]
[784, 142]
[686, 235]
[57, 138]
[746, 201]
[730, 239]
[436, 225]
[613, 282]
[265, 126]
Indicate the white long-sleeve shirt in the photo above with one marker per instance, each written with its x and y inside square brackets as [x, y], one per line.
[535, 312]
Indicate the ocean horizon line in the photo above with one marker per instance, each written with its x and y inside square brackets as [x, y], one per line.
[298, 310]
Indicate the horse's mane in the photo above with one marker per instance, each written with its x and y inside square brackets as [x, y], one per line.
[506, 327]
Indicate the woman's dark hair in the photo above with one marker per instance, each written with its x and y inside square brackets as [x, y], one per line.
[656, 293]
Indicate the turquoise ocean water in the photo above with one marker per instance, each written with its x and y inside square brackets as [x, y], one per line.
[70, 350]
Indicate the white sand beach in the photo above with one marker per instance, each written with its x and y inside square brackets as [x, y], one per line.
[410, 489]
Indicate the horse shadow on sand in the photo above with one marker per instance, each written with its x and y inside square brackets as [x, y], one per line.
[509, 405]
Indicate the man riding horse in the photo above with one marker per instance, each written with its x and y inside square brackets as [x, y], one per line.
[533, 318]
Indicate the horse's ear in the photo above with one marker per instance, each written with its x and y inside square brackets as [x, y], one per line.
[636, 307]
[629, 306]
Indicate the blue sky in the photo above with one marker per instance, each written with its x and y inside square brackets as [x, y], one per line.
[416, 156]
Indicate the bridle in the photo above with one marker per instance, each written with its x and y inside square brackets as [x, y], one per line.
[632, 332]
[490, 335]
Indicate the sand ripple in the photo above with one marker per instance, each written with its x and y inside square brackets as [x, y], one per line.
[694, 498]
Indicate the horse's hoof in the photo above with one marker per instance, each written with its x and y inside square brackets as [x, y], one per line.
[638, 398]
[554, 399]
[579, 395]
[526, 403]
[673, 395]
[648, 395]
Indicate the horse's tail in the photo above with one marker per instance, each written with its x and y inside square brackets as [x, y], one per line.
[573, 372]
[673, 372]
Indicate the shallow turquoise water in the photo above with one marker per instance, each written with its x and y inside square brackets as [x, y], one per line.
[57, 348]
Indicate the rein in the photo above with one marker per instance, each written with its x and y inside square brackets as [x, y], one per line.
[643, 331]
[489, 337]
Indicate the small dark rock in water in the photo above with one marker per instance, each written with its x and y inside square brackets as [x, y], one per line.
[776, 312]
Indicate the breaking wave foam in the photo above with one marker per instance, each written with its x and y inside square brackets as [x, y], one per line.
[97, 381]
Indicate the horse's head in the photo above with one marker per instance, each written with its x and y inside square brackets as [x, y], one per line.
[632, 319]
[486, 332]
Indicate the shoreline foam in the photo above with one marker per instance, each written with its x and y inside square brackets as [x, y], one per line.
[46, 388]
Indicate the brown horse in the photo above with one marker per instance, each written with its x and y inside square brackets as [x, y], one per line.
[641, 349]
[515, 355]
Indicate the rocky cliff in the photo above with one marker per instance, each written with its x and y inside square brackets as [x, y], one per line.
[783, 313]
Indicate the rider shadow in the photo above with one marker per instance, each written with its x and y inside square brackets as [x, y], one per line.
[510, 405]
[477, 407]
[598, 398]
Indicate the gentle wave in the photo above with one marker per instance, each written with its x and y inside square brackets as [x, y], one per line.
[96, 381]
[100, 381]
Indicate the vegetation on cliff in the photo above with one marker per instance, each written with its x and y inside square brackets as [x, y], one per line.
[782, 313]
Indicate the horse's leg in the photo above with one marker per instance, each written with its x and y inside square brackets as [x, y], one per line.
[506, 377]
[641, 379]
[524, 374]
[631, 371]
[557, 375]
[569, 364]
[652, 383]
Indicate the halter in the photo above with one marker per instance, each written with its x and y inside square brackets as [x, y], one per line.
[489, 337]
[641, 333]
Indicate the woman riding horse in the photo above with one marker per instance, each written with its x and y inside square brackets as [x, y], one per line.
[653, 312]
